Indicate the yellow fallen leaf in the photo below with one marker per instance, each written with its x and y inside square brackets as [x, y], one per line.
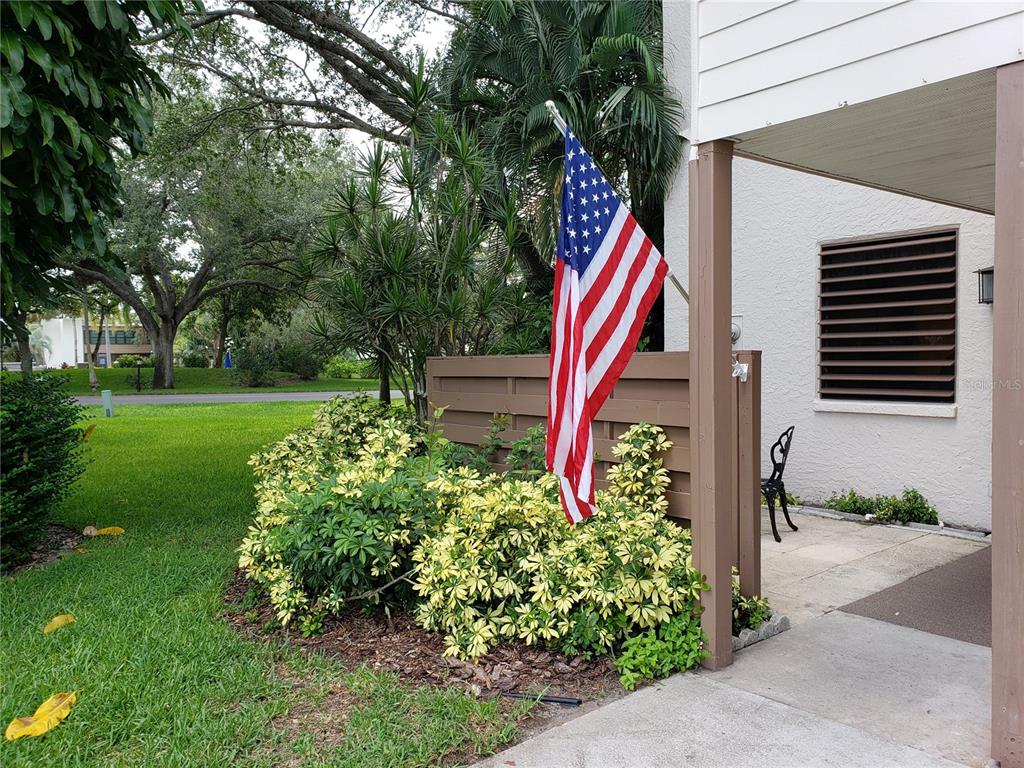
[49, 714]
[57, 622]
[112, 530]
[88, 432]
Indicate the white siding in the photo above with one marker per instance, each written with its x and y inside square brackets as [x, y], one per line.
[761, 64]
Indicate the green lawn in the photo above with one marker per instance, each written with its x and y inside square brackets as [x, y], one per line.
[161, 679]
[199, 381]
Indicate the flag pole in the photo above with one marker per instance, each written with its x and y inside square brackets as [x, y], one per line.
[562, 125]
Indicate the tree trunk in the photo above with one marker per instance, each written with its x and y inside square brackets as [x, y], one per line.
[90, 361]
[163, 356]
[419, 393]
[384, 392]
[222, 338]
[99, 338]
[24, 350]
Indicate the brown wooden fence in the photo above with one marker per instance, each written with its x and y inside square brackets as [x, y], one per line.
[655, 387]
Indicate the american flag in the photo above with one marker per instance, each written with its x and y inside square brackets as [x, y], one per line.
[607, 276]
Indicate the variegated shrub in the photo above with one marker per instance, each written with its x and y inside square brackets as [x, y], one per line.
[506, 566]
[339, 507]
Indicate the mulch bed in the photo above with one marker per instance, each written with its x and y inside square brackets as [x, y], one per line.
[399, 645]
[56, 542]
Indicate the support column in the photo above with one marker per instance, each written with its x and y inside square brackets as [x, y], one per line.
[1008, 424]
[713, 468]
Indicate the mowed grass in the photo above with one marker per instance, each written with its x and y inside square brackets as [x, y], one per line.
[161, 679]
[199, 381]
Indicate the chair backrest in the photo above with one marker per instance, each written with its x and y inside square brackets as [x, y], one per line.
[780, 452]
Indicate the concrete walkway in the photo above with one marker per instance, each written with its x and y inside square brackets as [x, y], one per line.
[228, 397]
[836, 690]
[829, 562]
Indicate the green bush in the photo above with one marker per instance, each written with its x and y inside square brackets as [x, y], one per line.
[908, 507]
[299, 356]
[505, 566]
[674, 646]
[350, 537]
[852, 503]
[340, 505]
[748, 612]
[194, 359]
[342, 367]
[364, 504]
[130, 361]
[254, 362]
[41, 450]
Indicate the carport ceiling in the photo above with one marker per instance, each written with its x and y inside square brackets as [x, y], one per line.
[936, 141]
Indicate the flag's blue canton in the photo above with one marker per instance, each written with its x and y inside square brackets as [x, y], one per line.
[588, 206]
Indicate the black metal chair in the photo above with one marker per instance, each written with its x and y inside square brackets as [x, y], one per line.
[773, 487]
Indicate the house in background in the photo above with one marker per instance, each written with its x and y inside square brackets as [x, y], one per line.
[70, 342]
[909, 99]
[906, 270]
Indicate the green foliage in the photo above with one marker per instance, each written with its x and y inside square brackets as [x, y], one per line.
[73, 88]
[526, 455]
[505, 566]
[254, 361]
[340, 505]
[364, 503]
[748, 612]
[409, 264]
[853, 503]
[908, 507]
[347, 539]
[194, 359]
[791, 500]
[601, 63]
[299, 356]
[674, 646]
[41, 448]
[130, 361]
[343, 367]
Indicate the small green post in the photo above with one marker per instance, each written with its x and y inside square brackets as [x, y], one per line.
[108, 402]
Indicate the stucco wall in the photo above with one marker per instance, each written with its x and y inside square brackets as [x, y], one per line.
[779, 217]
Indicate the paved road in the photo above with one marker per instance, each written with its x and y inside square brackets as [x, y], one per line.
[226, 397]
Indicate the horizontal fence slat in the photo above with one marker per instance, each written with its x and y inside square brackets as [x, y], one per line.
[653, 388]
[676, 460]
[643, 365]
[665, 414]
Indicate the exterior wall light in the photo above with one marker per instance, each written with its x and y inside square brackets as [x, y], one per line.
[985, 285]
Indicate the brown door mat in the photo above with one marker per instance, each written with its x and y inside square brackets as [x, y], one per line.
[953, 600]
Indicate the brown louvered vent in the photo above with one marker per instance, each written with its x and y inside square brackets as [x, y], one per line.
[887, 319]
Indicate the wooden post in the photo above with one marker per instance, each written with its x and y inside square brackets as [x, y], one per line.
[713, 471]
[1008, 424]
[748, 474]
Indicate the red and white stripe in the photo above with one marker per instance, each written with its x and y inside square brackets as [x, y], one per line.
[596, 323]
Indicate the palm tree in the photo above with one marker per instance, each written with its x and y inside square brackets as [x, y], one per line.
[409, 267]
[601, 63]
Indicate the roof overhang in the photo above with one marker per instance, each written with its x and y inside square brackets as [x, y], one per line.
[935, 142]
